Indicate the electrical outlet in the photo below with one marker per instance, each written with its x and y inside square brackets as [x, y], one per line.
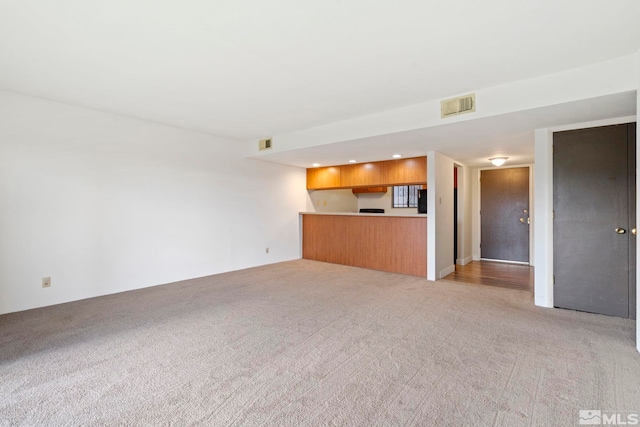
[46, 282]
[266, 250]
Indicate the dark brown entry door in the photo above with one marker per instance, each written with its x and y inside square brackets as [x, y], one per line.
[504, 214]
[594, 209]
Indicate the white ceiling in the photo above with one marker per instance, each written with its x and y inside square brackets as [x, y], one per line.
[249, 69]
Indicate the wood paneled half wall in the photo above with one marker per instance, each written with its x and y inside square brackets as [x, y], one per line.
[397, 244]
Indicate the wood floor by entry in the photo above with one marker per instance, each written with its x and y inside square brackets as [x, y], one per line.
[504, 275]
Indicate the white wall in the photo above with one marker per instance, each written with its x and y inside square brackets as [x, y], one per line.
[440, 257]
[332, 201]
[543, 217]
[104, 204]
[475, 217]
[464, 215]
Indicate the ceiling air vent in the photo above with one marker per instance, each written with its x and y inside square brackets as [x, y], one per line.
[460, 105]
[264, 144]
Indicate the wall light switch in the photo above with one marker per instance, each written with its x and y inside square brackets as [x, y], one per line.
[46, 282]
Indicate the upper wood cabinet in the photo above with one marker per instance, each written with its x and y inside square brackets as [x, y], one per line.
[361, 190]
[362, 175]
[371, 174]
[406, 171]
[323, 178]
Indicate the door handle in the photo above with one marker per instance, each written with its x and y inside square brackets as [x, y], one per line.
[633, 231]
[620, 230]
[522, 220]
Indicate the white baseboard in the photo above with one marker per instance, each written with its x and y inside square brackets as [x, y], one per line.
[543, 302]
[465, 261]
[447, 271]
[504, 261]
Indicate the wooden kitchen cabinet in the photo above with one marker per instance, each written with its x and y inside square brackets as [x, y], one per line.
[412, 171]
[361, 175]
[323, 178]
[361, 190]
[405, 171]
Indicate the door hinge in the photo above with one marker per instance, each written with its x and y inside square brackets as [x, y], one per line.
[553, 214]
[554, 279]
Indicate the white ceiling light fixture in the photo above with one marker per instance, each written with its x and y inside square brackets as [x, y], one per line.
[397, 156]
[353, 161]
[315, 165]
[498, 161]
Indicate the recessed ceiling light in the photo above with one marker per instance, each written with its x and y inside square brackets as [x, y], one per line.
[397, 156]
[353, 161]
[315, 165]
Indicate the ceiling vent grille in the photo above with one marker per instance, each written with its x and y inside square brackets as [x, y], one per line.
[264, 144]
[460, 105]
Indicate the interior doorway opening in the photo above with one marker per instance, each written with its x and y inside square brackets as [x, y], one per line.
[456, 204]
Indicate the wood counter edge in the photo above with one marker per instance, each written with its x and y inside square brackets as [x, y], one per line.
[385, 215]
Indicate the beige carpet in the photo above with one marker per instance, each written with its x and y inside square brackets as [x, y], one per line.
[304, 343]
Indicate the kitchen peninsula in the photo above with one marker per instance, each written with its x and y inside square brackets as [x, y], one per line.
[393, 243]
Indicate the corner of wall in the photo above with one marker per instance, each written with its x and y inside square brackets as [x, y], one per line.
[431, 216]
[543, 214]
[446, 271]
[140, 203]
[475, 213]
[440, 216]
